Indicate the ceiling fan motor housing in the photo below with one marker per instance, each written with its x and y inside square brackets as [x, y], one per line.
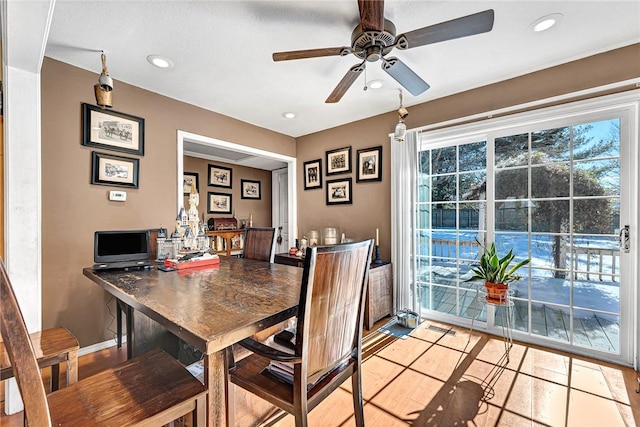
[372, 45]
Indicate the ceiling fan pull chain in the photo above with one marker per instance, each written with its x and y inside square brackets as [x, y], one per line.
[365, 79]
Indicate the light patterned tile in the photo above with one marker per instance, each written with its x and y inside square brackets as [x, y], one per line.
[546, 365]
[588, 377]
[588, 410]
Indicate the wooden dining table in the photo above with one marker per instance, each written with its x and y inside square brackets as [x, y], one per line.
[210, 308]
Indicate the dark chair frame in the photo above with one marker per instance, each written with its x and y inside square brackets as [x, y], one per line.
[254, 243]
[322, 267]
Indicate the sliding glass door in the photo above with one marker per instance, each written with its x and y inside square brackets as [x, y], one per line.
[556, 191]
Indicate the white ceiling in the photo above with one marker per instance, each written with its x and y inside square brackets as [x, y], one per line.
[222, 51]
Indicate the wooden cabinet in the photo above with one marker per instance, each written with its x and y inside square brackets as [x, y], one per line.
[227, 242]
[379, 302]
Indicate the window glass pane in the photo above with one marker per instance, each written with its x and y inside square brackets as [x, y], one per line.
[424, 188]
[512, 184]
[443, 299]
[596, 330]
[443, 188]
[596, 216]
[597, 139]
[512, 150]
[551, 180]
[424, 215]
[549, 251]
[550, 321]
[424, 162]
[550, 216]
[444, 244]
[443, 215]
[596, 178]
[512, 215]
[551, 145]
[473, 186]
[443, 160]
[519, 242]
[596, 260]
[473, 157]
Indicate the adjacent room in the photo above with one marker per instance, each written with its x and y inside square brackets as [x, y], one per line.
[357, 212]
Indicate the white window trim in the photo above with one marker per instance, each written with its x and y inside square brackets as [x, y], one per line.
[610, 104]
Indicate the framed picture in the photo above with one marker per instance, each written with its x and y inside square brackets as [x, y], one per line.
[114, 170]
[219, 176]
[189, 178]
[339, 192]
[369, 161]
[218, 203]
[112, 130]
[249, 189]
[339, 161]
[312, 174]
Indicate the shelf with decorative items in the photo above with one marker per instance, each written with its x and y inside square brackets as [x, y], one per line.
[225, 236]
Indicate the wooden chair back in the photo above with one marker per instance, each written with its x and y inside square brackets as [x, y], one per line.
[22, 355]
[331, 309]
[259, 243]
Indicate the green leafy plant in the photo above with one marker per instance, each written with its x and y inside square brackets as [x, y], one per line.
[494, 269]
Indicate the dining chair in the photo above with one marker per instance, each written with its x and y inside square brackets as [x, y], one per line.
[328, 336]
[52, 347]
[260, 243]
[153, 389]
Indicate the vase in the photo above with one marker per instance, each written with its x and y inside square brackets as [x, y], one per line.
[496, 292]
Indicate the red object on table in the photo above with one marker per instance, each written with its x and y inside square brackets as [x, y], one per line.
[171, 263]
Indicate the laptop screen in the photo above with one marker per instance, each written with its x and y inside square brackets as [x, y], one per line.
[119, 246]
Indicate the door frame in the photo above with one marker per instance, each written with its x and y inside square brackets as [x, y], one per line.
[201, 139]
[630, 101]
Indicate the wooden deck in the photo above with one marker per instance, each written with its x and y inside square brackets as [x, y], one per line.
[591, 329]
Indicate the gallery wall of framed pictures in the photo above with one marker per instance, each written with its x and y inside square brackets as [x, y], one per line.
[338, 161]
[114, 131]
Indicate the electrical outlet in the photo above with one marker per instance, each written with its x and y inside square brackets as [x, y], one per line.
[118, 196]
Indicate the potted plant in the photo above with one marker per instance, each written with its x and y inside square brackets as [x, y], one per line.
[496, 272]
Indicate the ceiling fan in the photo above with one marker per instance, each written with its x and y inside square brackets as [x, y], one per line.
[375, 37]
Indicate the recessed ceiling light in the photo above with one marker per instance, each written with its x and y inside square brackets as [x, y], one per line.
[375, 84]
[289, 115]
[546, 22]
[160, 61]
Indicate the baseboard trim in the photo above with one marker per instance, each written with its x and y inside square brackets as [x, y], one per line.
[99, 346]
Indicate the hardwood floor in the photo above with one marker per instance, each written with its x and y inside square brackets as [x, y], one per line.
[443, 376]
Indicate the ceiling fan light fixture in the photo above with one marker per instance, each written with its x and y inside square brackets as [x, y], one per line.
[289, 115]
[160, 61]
[375, 84]
[546, 22]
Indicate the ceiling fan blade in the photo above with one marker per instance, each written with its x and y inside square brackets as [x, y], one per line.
[311, 53]
[345, 83]
[404, 75]
[371, 14]
[477, 23]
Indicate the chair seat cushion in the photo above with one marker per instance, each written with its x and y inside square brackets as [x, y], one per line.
[131, 393]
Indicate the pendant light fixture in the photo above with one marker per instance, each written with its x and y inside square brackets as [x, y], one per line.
[104, 87]
[401, 129]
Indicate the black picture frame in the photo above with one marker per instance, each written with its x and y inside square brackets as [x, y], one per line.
[338, 161]
[312, 174]
[187, 178]
[119, 171]
[339, 191]
[250, 189]
[220, 176]
[219, 203]
[112, 130]
[369, 164]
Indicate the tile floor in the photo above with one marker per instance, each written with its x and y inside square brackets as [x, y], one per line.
[440, 379]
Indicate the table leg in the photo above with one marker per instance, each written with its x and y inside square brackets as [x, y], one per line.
[215, 375]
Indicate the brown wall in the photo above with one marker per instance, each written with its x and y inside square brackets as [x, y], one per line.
[72, 208]
[243, 208]
[371, 201]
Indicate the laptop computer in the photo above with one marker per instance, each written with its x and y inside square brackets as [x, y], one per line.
[121, 249]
